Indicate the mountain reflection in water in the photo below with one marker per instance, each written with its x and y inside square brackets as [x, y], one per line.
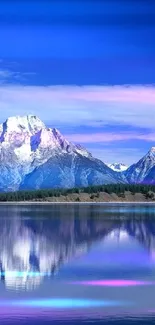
[58, 256]
[37, 241]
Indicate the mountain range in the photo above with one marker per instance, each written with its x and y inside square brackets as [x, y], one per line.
[33, 156]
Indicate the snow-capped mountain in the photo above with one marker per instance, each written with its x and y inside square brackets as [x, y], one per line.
[118, 167]
[33, 156]
[31, 152]
[139, 172]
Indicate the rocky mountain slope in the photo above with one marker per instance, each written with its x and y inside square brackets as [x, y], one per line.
[34, 156]
[69, 170]
[139, 172]
[150, 178]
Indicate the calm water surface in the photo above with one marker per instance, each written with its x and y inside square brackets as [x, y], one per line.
[77, 264]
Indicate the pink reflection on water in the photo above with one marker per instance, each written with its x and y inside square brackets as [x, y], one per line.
[114, 283]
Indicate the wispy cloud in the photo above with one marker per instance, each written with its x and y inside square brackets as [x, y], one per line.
[13, 77]
[132, 105]
[90, 109]
[109, 137]
[5, 75]
[122, 94]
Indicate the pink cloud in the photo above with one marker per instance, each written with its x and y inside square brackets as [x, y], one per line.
[109, 137]
[139, 94]
[74, 105]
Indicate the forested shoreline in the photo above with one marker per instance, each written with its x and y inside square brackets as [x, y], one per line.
[148, 192]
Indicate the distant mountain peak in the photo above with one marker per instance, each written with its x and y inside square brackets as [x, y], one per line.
[118, 167]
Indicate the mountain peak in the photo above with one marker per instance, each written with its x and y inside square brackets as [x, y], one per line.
[31, 131]
[17, 128]
[118, 167]
[150, 154]
[27, 122]
[152, 149]
[138, 173]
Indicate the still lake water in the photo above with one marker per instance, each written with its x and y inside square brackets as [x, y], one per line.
[77, 263]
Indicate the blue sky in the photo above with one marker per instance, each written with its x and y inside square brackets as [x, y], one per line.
[86, 67]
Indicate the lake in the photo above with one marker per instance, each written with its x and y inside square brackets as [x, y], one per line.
[77, 263]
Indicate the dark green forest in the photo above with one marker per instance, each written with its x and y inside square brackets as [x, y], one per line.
[119, 189]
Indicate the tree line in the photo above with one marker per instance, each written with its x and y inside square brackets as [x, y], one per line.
[118, 189]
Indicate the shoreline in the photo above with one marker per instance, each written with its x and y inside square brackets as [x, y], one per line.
[77, 203]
